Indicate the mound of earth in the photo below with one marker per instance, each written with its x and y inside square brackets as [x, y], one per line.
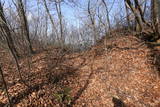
[124, 71]
[117, 72]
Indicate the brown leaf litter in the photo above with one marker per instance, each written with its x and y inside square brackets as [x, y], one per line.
[121, 72]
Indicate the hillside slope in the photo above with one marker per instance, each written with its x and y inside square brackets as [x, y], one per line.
[124, 71]
[118, 71]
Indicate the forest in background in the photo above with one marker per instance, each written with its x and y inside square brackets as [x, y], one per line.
[76, 23]
[30, 27]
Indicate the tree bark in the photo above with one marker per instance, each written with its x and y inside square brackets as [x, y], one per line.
[127, 15]
[5, 86]
[24, 23]
[51, 19]
[136, 14]
[140, 10]
[6, 31]
[108, 19]
[92, 22]
[59, 12]
[155, 18]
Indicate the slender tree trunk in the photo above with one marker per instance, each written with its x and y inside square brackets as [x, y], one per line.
[5, 86]
[108, 19]
[155, 18]
[59, 12]
[128, 19]
[158, 2]
[5, 29]
[138, 7]
[91, 16]
[145, 7]
[137, 27]
[51, 19]
[141, 12]
[60, 21]
[46, 27]
[14, 56]
[136, 14]
[24, 23]
[6, 33]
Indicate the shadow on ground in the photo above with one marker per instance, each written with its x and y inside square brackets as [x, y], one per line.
[54, 74]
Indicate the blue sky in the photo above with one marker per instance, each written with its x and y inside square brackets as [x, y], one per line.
[69, 12]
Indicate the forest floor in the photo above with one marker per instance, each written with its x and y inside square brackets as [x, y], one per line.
[121, 70]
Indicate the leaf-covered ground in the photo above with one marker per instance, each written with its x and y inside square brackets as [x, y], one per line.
[120, 70]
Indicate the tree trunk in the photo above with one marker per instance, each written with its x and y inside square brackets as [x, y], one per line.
[108, 19]
[24, 23]
[6, 31]
[138, 7]
[59, 12]
[92, 22]
[155, 18]
[5, 86]
[158, 3]
[145, 7]
[128, 19]
[51, 19]
[136, 14]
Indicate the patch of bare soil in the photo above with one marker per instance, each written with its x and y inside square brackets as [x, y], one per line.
[119, 72]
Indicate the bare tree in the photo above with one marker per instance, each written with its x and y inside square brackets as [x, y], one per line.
[138, 7]
[59, 12]
[51, 18]
[5, 86]
[145, 7]
[24, 23]
[155, 18]
[127, 16]
[92, 19]
[158, 2]
[107, 13]
[6, 31]
[136, 13]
